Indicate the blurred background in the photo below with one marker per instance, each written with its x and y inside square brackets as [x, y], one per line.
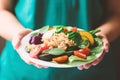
[2, 43]
[116, 52]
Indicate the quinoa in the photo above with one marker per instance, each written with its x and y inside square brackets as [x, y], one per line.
[58, 41]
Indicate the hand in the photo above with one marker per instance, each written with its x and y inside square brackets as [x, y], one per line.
[106, 49]
[16, 43]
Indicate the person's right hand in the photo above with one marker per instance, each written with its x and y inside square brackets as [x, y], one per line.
[106, 46]
[16, 43]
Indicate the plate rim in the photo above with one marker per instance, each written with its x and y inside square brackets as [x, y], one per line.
[46, 63]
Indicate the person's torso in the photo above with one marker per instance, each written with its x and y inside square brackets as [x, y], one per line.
[37, 13]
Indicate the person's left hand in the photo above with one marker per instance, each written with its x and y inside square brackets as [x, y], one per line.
[16, 43]
[106, 49]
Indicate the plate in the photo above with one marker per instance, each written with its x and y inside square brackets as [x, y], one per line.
[22, 51]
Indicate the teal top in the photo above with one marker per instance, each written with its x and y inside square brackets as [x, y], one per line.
[85, 14]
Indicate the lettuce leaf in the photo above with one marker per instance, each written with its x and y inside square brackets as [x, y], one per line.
[95, 50]
[98, 46]
[56, 51]
[41, 30]
[93, 32]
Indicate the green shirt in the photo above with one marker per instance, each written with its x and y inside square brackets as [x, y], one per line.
[85, 14]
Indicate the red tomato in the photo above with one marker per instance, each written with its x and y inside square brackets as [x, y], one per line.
[74, 29]
[44, 46]
[85, 51]
[35, 51]
[60, 59]
[80, 55]
[38, 49]
[65, 30]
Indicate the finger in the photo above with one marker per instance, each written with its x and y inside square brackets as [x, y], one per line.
[21, 35]
[97, 61]
[106, 44]
[80, 67]
[26, 59]
[16, 42]
[45, 66]
[86, 66]
[94, 63]
[38, 66]
[24, 32]
[17, 38]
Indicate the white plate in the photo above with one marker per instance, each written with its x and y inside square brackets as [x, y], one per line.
[22, 51]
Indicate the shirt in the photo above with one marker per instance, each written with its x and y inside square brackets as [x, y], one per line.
[85, 14]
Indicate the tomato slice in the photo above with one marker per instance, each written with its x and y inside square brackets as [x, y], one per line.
[60, 59]
[74, 29]
[38, 49]
[44, 46]
[80, 55]
[65, 30]
[35, 51]
[85, 51]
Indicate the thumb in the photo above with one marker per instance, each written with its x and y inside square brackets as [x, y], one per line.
[17, 38]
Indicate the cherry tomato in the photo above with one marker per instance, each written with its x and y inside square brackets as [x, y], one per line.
[60, 59]
[80, 55]
[74, 29]
[65, 30]
[38, 49]
[35, 51]
[44, 47]
[85, 51]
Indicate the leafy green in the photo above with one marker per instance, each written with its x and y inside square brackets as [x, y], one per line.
[83, 43]
[69, 53]
[72, 48]
[56, 51]
[93, 32]
[74, 36]
[73, 58]
[95, 50]
[91, 57]
[98, 47]
[41, 30]
[34, 34]
[59, 28]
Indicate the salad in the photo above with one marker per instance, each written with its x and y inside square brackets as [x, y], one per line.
[64, 44]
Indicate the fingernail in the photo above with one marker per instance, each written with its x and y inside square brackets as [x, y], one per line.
[45, 66]
[106, 50]
[94, 64]
[30, 62]
[86, 67]
[80, 68]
